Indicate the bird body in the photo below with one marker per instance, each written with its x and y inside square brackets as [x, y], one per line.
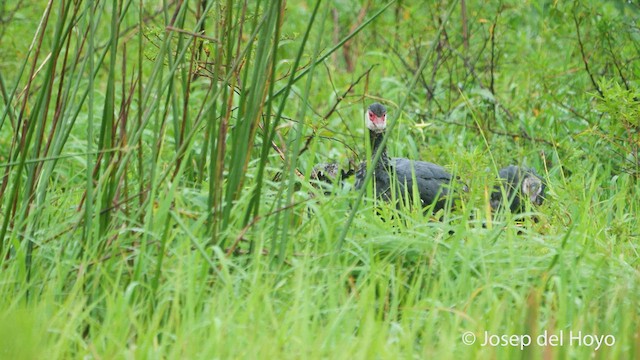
[431, 180]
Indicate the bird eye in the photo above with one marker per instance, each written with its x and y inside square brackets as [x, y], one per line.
[371, 115]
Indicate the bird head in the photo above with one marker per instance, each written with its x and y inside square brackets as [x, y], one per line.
[533, 187]
[376, 117]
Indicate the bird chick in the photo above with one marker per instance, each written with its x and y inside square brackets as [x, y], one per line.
[325, 175]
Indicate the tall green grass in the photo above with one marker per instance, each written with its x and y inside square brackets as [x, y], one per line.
[155, 199]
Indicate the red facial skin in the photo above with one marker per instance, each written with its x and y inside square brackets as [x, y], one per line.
[376, 123]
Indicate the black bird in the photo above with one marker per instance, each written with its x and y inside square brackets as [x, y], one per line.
[432, 181]
[521, 184]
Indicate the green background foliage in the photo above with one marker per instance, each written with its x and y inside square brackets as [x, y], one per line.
[156, 158]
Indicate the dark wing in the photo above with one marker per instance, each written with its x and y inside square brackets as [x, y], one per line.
[431, 179]
[510, 179]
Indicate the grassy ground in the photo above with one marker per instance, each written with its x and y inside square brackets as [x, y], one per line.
[155, 193]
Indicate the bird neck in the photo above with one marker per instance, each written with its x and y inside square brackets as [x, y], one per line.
[376, 142]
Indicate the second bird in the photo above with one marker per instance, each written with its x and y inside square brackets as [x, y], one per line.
[521, 185]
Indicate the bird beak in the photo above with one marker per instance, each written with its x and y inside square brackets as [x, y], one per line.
[376, 123]
[379, 121]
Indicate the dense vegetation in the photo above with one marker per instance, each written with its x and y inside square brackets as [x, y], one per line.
[156, 199]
